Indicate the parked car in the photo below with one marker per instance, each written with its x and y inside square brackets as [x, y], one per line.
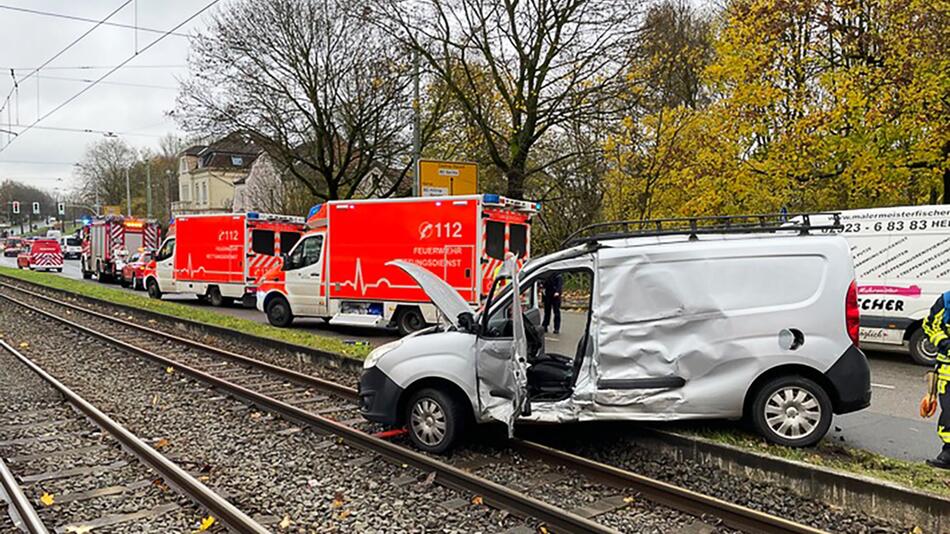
[724, 321]
[72, 247]
[41, 254]
[133, 272]
[12, 246]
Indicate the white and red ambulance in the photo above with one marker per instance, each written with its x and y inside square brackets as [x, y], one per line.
[219, 257]
[339, 270]
[108, 242]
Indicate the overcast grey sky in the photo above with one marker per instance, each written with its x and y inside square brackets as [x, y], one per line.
[41, 156]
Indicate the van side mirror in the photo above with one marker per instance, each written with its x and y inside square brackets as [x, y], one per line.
[467, 322]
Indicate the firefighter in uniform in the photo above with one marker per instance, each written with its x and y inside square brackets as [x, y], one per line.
[937, 329]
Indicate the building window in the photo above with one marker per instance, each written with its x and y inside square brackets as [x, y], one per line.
[185, 190]
[197, 193]
[237, 161]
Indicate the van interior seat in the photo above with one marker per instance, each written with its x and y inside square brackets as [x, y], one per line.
[551, 376]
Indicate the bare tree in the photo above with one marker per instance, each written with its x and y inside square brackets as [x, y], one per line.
[320, 88]
[546, 63]
[102, 170]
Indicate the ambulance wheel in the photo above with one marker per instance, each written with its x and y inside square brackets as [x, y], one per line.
[278, 312]
[59, 270]
[409, 320]
[123, 282]
[792, 411]
[434, 419]
[922, 350]
[153, 290]
[86, 275]
[214, 296]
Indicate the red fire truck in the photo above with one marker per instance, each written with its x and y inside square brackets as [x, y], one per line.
[338, 270]
[108, 242]
[219, 257]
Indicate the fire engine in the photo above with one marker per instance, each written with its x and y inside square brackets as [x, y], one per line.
[219, 257]
[339, 270]
[109, 241]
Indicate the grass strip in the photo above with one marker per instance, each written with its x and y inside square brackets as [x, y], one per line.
[296, 336]
[835, 456]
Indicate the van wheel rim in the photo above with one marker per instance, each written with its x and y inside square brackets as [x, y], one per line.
[926, 348]
[793, 412]
[428, 422]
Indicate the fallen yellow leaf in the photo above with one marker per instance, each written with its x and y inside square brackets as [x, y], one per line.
[628, 500]
[205, 524]
[169, 370]
[543, 529]
[285, 523]
[477, 500]
[81, 529]
[162, 443]
[47, 499]
[344, 514]
[337, 500]
[24, 344]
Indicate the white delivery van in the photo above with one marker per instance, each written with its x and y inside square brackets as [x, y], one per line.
[696, 319]
[901, 260]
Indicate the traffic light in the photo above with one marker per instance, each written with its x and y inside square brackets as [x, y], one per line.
[16, 207]
[61, 208]
[36, 208]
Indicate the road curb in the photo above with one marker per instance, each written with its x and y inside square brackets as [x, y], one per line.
[875, 497]
[872, 496]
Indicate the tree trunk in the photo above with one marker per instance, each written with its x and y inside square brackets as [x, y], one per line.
[515, 177]
[946, 186]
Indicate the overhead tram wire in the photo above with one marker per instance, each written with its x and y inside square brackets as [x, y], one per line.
[89, 80]
[107, 74]
[84, 19]
[63, 51]
[98, 67]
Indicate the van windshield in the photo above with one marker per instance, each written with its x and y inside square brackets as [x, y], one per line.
[73, 242]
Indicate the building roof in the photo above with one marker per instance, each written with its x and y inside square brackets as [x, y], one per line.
[193, 150]
[234, 151]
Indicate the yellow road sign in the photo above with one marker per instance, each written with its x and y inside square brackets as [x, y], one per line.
[112, 210]
[438, 178]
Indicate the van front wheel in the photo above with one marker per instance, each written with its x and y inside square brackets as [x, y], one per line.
[279, 313]
[792, 411]
[152, 287]
[434, 420]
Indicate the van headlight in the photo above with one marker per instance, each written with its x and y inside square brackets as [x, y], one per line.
[379, 352]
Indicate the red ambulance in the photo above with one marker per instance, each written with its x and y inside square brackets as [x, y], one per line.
[338, 271]
[41, 254]
[109, 242]
[219, 257]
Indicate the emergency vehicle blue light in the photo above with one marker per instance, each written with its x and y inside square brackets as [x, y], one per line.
[313, 211]
[491, 198]
[375, 308]
[253, 215]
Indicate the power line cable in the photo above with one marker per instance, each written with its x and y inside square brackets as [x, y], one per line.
[100, 67]
[107, 133]
[84, 19]
[107, 74]
[34, 162]
[89, 80]
[63, 51]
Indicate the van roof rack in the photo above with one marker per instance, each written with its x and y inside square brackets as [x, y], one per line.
[694, 226]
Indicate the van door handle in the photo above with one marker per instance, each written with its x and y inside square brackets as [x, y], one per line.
[314, 275]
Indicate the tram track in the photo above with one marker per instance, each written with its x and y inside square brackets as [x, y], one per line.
[84, 471]
[297, 396]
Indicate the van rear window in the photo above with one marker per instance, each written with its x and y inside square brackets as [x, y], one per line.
[518, 240]
[495, 240]
[73, 242]
[262, 242]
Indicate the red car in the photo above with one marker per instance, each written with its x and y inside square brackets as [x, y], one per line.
[12, 246]
[41, 254]
[133, 270]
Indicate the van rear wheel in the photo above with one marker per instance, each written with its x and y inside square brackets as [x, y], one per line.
[922, 350]
[792, 411]
[410, 320]
[214, 296]
[434, 420]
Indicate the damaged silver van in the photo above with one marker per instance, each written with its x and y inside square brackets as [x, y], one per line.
[702, 318]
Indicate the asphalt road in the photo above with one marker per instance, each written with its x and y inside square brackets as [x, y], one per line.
[891, 426]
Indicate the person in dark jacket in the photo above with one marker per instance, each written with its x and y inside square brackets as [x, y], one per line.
[553, 286]
[935, 326]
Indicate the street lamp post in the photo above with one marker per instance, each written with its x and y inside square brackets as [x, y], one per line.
[128, 194]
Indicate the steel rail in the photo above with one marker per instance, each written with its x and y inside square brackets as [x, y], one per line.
[682, 499]
[23, 514]
[176, 477]
[492, 493]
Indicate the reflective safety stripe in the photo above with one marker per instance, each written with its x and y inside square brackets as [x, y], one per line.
[934, 328]
[944, 434]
